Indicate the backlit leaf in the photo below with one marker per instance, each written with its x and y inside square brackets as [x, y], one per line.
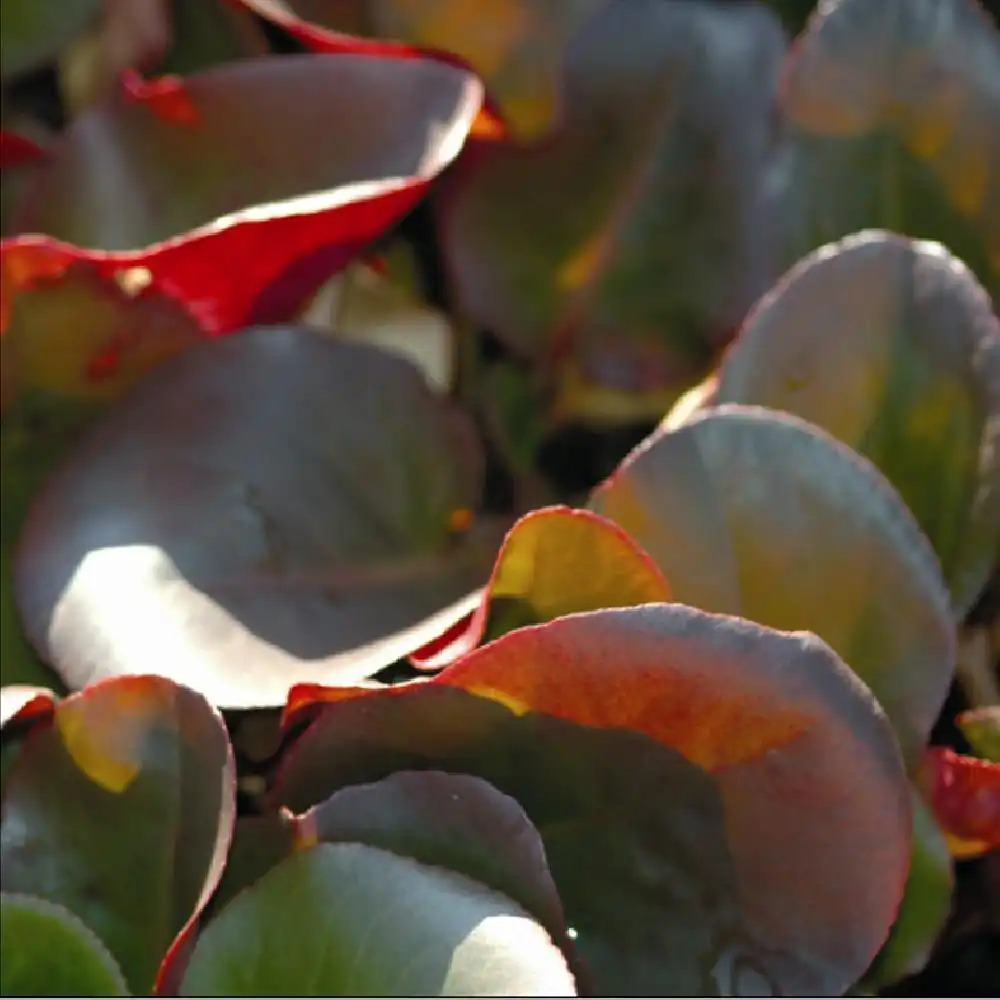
[121, 810]
[751, 512]
[631, 246]
[772, 753]
[354, 920]
[893, 121]
[893, 347]
[253, 516]
[45, 951]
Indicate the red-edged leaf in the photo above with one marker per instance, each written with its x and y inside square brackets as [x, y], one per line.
[554, 561]
[965, 795]
[772, 753]
[267, 518]
[352, 142]
[121, 809]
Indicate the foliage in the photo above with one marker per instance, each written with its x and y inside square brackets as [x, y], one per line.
[498, 498]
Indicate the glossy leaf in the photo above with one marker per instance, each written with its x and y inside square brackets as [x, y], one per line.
[554, 561]
[893, 121]
[893, 347]
[254, 516]
[121, 810]
[750, 512]
[981, 727]
[965, 795]
[773, 755]
[45, 951]
[33, 33]
[631, 246]
[353, 920]
[239, 245]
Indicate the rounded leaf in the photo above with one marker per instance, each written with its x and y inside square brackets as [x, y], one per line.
[773, 753]
[252, 516]
[121, 809]
[750, 512]
[45, 951]
[354, 920]
[893, 347]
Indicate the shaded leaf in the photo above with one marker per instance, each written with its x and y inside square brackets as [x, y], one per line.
[33, 33]
[454, 821]
[45, 951]
[249, 244]
[893, 347]
[254, 516]
[773, 755]
[981, 727]
[631, 246]
[926, 903]
[554, 561]
[964, 793]
[121, 810]
[349, 919]
[751, 512]
[893, 121]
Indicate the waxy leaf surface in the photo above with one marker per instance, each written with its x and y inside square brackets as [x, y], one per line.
[554, 561]
[630, 246]
[773, 755]
[45, 951]
[256, 515]
[754, 513]
[121, 809]
[893, 347]
[354, 920]
[241, 188]
[892, 113]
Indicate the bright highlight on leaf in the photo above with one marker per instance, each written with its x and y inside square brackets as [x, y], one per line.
[754, 513]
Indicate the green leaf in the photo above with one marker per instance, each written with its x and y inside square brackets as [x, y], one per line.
[354, 920]
[771, 754]
[893, 122]
[893, 347]
[121, 810]
[981, 727]
[45, 951]
[620, 245]
[751, 512]
[264, 515]
[34, 33]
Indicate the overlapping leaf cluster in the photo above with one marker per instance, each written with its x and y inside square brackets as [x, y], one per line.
[297, 299]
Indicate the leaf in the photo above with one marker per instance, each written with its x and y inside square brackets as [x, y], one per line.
[773, 755]
[630, 248]
[121, 810]
[554, 561]
[33, 33]
[254, 516]
[892, 346]
[454, 821]
[981, 727]
[19, 702]
[238, 245]
[926, 904]
[964, 793]
[349, 919]
[892, 113]
[755, 513]
[45, 951]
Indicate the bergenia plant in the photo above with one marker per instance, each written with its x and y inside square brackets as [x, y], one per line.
[499, 498]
